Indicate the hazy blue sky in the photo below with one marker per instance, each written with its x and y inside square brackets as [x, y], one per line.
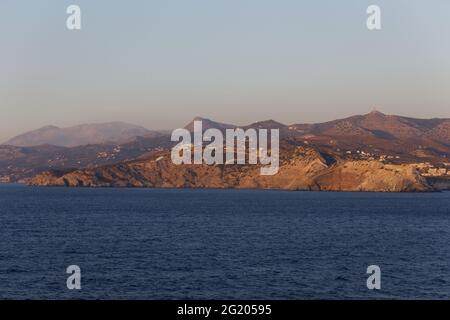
[160, 63]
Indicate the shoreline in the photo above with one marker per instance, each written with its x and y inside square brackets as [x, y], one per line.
[218, 189]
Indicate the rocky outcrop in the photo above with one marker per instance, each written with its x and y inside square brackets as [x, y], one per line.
[373, 176]
[440, 183]
[302, 169]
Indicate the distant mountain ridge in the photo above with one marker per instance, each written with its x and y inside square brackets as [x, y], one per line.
[383, 126]
[401, 140]
[84, 134]
[374, 124]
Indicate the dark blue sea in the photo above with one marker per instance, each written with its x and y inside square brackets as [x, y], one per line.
[222, 244]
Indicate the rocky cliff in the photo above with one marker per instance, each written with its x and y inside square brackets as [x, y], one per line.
[300, 169]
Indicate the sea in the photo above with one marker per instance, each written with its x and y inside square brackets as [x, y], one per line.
[222, 244]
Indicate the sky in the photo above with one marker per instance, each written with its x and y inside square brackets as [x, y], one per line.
[160, 63]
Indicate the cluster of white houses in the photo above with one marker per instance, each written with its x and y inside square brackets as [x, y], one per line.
[363, 155]
[427, 169]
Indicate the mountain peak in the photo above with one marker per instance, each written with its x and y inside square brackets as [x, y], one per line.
[208, 124]
[268, 124]
[375, 112]
[49, 127]
[198, 118]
